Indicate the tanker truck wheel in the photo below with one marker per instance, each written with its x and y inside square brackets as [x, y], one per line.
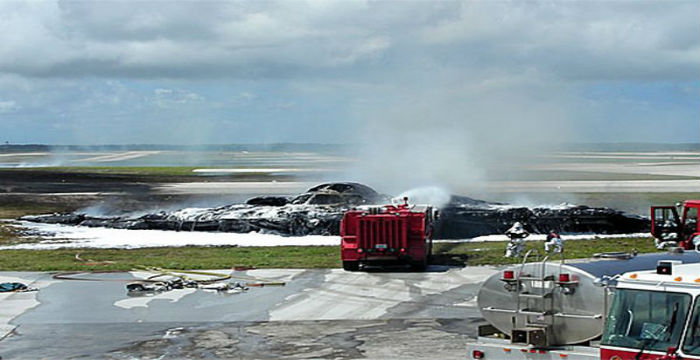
[351, 265]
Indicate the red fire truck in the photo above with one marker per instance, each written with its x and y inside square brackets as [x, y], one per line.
[387, 234]
[655, 315]
[670, 229]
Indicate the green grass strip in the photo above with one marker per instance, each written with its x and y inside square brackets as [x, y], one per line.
[454, 254]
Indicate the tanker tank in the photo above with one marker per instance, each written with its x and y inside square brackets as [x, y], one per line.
[554, 303]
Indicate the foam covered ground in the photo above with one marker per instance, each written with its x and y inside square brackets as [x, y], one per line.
[55, 236]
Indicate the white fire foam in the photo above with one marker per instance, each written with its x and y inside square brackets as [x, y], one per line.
[57, 236]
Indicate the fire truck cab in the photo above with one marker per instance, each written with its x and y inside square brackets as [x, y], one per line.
[654, 314]
[671, 229]
[387, 234]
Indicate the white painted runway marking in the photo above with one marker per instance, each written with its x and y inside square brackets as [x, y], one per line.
[118, 156]
[365, 296]
[219, 188]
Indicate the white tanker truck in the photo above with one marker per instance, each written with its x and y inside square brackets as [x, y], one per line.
[548, 310]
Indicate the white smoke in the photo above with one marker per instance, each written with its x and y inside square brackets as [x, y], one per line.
[460, 135]
[430, 195]
[31, 160]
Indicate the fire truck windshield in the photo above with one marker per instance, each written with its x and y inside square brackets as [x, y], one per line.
[691, 344]
[691, 220]
[646, 320]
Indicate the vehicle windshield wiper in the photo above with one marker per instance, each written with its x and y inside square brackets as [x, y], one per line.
[645, 343]
[672, 323]
[668, 331]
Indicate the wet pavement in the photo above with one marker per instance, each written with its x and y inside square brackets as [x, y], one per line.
[321, 313]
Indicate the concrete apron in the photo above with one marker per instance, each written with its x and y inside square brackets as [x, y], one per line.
[319, 303]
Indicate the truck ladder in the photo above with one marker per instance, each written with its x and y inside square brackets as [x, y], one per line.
[531, 299]
[534, 296]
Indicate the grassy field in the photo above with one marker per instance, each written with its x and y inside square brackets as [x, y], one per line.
[491, 253]
[454, 254]
[15, 210]
[498, 175]
[139, 174]
[172, 258]
[124, 170]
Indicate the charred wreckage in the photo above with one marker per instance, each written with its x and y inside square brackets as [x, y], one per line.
[319, 211]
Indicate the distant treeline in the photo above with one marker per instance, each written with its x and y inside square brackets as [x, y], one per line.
[8, 148]
[325, 148]
[627, 147]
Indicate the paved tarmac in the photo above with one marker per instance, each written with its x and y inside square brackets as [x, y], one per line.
[587, 186]
[322, 313]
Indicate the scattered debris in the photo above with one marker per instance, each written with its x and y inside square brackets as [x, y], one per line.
[617, 255]
[15, 287]
[268, 283]
[268, 201]
[230, 288]
[144, 287]
[164, 280]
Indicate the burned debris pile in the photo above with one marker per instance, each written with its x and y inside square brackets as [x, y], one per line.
[466, 218]
[319, 210]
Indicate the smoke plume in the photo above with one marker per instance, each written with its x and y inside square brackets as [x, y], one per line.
[458, 135]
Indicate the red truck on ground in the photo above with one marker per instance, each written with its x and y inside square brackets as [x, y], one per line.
[387, 234]
[670, 229]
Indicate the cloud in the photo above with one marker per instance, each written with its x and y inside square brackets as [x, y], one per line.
[169, 98]
[278, 39]
[7, 106]
[578, 40]
[349, 71]
[147, 39]
[245, 96]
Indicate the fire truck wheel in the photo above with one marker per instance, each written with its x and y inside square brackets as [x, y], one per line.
[351, 265]
[419, 265]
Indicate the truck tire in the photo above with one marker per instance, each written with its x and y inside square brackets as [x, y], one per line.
[351, 265]
[419, 266]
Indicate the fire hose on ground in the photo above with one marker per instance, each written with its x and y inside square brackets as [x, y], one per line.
[178, 279]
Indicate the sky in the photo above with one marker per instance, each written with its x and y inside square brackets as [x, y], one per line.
[454, 74]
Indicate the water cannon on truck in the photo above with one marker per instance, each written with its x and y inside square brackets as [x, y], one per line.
[389, 234]
[631, 307]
